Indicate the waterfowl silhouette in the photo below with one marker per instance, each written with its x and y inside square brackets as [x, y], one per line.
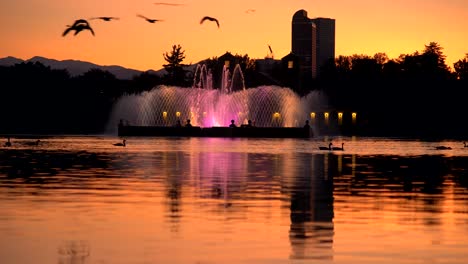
[442, 147]
[151, 20]
[78, 26]
[167, 4]
[105, 18]
[210, 19]
[120, 144]
[327, 148]
[465, 145]
[338, 148]
[8, 143]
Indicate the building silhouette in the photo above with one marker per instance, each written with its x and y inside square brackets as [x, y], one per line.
[324, 42]
[313, 46]
[303, 37]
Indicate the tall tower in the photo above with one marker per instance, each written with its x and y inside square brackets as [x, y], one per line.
[325, 41]
[313, 41]
[303, 43]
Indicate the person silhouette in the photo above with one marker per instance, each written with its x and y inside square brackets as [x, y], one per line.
[307, 124]
[249, 123]
[188, 123]
[178, 124]
[232, 124]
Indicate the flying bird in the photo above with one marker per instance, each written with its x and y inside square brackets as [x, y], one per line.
[78, 26]
[149, 19]
[249, 11]
[105, 18]
[210, 19]
[167, 4]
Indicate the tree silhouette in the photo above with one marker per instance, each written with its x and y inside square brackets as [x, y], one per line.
[461, 68]
[176, 75]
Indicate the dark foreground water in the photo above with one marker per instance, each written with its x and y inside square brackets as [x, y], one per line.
[211, 200]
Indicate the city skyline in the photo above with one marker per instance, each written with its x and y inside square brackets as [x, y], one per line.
[246, 27]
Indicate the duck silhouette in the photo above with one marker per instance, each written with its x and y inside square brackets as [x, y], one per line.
[78, 26]
[120, 144]
[150, 20]
[105, 18]
[465, 145]
[442, 147]
[8, 143]
[209, 19]
[327, 148]
[338, 148]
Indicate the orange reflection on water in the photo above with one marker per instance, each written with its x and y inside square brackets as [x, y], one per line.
[232, 201]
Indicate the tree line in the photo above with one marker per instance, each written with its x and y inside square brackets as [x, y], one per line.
[414, 94]
[411, 91]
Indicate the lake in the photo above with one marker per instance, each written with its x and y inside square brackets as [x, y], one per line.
[79, 199]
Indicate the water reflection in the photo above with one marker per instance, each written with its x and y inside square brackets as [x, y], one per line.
[74, 252]
[311, 208]
[211, 199]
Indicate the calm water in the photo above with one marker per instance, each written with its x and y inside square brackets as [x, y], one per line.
[213, 200]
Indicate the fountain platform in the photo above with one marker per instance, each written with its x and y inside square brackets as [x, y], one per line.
[195, 131]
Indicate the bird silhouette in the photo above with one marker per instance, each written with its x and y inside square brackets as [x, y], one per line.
[105, 18]
[167, 4]
[442, 147]
[249, 11]
[338, 148]
[123, 144]
[327, 148]
[78, 26]
[465, 145]
[151, 20]
[8, 143]
[210, 19]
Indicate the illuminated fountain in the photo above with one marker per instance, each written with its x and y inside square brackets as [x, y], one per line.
[266, 106]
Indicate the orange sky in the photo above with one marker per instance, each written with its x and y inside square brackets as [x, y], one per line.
[34, 28]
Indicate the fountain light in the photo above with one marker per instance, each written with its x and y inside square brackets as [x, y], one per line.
[207, 107]
[354, 117]
[326, 115]
[177, 114]
[340, 118]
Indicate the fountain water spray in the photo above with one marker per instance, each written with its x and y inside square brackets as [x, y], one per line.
[205, 106]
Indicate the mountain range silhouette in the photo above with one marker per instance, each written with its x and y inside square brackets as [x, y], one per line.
[77, 67]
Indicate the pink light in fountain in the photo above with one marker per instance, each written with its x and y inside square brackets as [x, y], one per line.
[207, 107]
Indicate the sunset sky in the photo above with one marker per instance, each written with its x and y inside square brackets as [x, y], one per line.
[34, 28]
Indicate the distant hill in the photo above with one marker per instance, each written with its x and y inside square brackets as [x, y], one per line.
[76, 67]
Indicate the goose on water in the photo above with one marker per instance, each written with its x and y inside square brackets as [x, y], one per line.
[442, 147]
[327, 148]
[8, 143]
[120, 144]
[338, 148]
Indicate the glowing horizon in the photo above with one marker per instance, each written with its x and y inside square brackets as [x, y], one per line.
[246, 27]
